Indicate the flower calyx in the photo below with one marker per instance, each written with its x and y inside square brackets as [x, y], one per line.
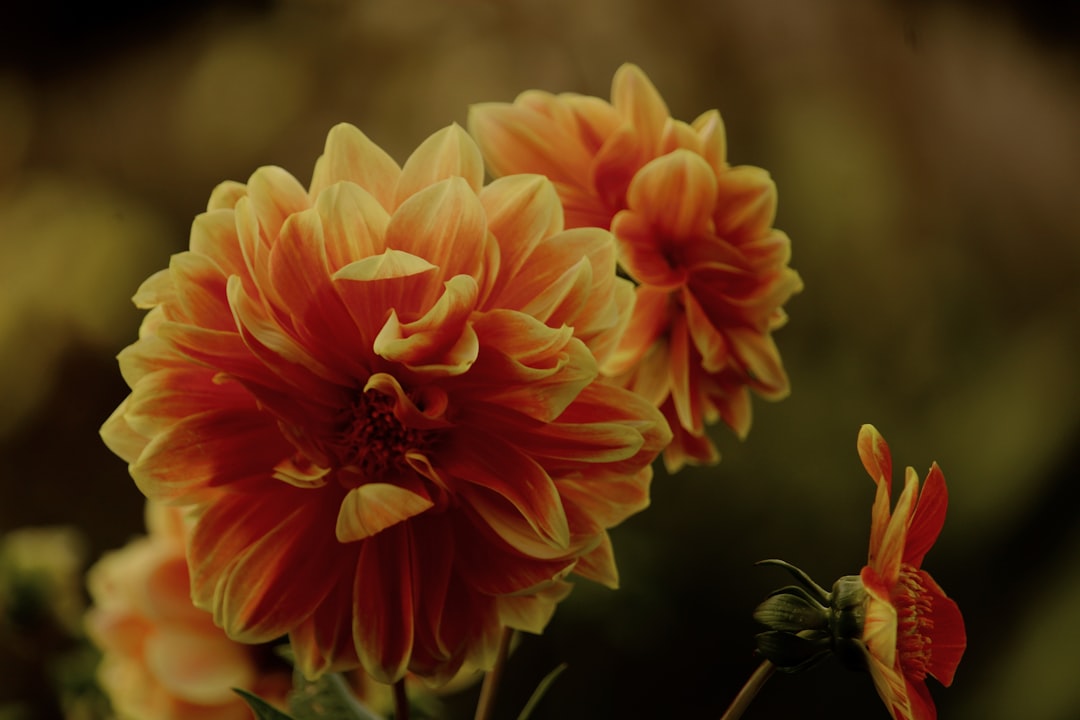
[806, 623]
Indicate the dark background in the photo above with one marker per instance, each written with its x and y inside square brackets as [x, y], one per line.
[927, 156]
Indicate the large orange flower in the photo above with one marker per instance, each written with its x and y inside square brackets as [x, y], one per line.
[163, 658]
[382, 394]
[694, 232]
[911, 629]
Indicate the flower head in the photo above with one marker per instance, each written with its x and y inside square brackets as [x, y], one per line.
[912, 629]
[892, 618]
[694, 233]
[382, 395]
[163, 658]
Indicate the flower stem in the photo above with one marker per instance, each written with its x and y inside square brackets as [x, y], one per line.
[401, 701]
[749, 691]
[485, 706]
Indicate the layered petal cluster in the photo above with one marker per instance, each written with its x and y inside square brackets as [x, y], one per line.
[694, 233]
[382, 395]
[912, 629]
[163, 658]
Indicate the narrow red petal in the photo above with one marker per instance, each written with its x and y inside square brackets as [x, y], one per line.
[383, 619]
[928, 518]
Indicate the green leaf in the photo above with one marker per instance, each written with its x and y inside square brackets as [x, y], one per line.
[262, 709]
[538, 693]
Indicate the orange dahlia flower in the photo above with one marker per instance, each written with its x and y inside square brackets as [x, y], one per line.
[164, 659]
[382, 394]
[694, 232]
[911, 628]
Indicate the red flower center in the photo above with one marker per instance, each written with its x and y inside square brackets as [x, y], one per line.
[915, 625]
[371, 442]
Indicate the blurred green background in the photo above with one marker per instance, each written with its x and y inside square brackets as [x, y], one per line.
[927, 156]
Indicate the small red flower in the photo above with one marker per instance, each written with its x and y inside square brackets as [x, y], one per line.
[912, 629]
[694, 233]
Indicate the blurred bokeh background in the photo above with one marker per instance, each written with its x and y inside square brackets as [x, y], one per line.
[927, 156]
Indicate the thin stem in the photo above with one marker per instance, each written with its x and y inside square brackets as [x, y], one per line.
[485, 706]
[401, 701]
[749, 691]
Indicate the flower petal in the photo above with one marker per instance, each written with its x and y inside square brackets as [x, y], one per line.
[442, 341]
[635, 98]
[517, 478]
[353, 224]
[521, 211]
[532, 613]
[676, 193]
[444, 224]
[384, 594]
[598, 564]
[350, 156]
[247, 568]
[522, 138]
[881, 620]
[527, 366]
[274, 195]
[928, 518]
[448, 153]
[373, 507]
[948, 637]
[875, 456]
[891, 551]
[230, 447]
[746, 204]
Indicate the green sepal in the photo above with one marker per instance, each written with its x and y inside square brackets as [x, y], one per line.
[792, 653]
[261, 709]
[791, 610]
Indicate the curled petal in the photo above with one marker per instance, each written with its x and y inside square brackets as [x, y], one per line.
[875, 456]
[442, 341]
[425, 410]
[373, 507]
